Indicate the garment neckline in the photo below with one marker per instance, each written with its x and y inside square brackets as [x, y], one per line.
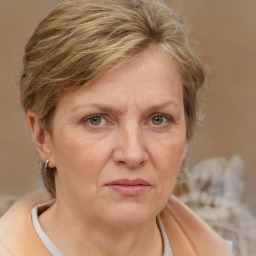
[54, 251]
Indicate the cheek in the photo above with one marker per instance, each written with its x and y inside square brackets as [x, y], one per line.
[167, 159]
[80, 159]
[79, 169]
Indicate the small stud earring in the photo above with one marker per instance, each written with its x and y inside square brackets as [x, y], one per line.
[46, 164]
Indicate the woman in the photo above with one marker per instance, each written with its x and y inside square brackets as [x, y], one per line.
[109, 88]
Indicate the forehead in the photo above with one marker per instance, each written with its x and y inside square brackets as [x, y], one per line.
[149, 76]
[151, 66]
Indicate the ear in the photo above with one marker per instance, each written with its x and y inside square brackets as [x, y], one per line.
[41, 138]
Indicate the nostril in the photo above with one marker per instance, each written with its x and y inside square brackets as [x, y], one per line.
[121, 163]
[134, 164]
[129, 161]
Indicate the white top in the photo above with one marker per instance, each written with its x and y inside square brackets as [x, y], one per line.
[54, 251]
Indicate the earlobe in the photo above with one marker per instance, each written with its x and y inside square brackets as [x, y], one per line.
[40, 137]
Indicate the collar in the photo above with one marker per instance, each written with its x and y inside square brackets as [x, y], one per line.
[187, 233]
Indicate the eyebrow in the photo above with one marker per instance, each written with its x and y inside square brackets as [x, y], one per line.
[101, 107]
[162, 105]
[110, 109]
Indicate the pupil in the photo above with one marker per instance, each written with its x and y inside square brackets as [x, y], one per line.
[96, 120]
[157, 120]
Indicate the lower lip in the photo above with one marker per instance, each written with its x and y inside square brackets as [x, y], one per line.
[125, 190]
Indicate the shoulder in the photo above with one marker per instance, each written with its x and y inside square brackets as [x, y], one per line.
[17, 234]
[187, 231]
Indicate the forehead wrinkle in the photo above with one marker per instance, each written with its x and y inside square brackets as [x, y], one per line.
[157, 106]
[101, 107]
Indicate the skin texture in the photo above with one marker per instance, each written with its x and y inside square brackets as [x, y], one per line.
[139, 133]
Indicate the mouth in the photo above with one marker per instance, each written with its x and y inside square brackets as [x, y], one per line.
[126, 187]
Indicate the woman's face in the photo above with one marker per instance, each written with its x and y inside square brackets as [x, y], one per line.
[118, 144]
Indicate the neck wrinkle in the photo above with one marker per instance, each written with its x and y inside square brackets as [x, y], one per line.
[75, 238]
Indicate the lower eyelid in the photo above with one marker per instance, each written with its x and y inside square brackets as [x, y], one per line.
[167, 120]
[104, 121]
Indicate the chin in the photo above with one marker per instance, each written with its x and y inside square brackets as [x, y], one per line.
[129, 215]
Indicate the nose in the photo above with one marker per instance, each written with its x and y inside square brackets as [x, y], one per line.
[130, 149]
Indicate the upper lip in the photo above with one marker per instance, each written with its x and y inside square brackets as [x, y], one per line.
[127, 182]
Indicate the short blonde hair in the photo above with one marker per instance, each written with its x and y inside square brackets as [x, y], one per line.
[82, 39]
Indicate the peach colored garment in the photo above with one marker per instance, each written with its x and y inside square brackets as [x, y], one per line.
[187, 233]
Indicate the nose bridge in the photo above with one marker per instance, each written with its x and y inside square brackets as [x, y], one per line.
[131, 149]
[133, 140]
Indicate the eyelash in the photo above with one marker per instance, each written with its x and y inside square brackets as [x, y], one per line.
[168, 118]
[88, 118]
[103, 117]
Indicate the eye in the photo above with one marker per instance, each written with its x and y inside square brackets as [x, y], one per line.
[95, 121]
[159, 120]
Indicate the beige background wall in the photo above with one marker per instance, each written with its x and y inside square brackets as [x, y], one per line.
[225, 37]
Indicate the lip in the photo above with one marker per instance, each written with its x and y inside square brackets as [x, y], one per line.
[126, 187]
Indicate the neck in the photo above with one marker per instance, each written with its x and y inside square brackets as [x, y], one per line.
[74, 237]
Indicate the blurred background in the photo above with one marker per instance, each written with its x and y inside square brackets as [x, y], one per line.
[224, 35]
